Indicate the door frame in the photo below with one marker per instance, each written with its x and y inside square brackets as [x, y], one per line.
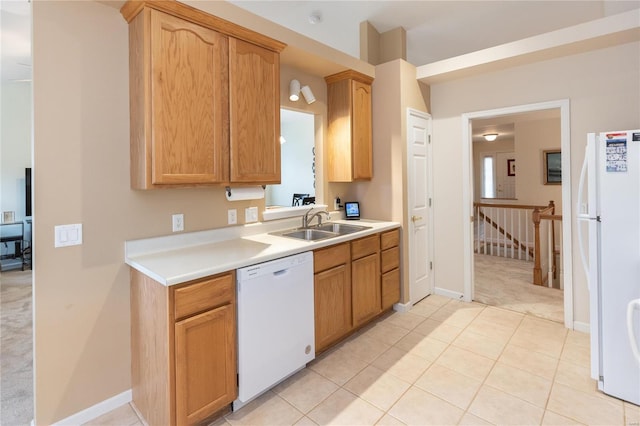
[407, 219]
[567, 210]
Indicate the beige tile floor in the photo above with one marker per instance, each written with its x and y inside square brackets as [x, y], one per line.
[443, 363]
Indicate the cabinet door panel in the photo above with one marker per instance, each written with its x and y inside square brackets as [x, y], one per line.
[390, 288]
[255, 113]
[189, 85]
[361, 131]
[205, 364]
[339, 150]
[332, 294]
[365, 279]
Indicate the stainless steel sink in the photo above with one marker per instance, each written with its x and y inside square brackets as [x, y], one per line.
[341, 228]
[307, 234]
[321, 232]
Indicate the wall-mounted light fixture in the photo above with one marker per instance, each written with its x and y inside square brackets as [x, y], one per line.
[295, 90]
[490, 137]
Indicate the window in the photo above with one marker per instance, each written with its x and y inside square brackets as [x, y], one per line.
[488, 177]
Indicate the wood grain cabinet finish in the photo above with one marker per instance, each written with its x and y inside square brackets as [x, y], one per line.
[350, 149]
[365, 279]
[183, 341]
[255, 113]
[204, 99]
[332, 295]
[390, 267]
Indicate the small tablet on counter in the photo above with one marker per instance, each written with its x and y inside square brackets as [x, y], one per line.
[352, 210]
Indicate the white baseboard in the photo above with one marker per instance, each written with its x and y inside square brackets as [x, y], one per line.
[402, 307]
[96, 410]
[448, 293]
[583, 327]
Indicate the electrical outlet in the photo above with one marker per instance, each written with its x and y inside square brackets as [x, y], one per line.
[250, 214]
[177, 221]
[232, 216]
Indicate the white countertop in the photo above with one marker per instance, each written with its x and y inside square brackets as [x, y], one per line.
[179, 258]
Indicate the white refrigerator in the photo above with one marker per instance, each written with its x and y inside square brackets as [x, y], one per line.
[609, 213]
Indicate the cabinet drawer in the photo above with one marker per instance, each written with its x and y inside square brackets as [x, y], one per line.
[329, 257]
[390, 259]
[389, 239]
[390, 288]
[206, 294]
[365, 246]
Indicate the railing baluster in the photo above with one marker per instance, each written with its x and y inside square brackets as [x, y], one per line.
[512, 235]
[484, 232]
[550, 255]
[527, 219]
[519, 235]
[491, 234]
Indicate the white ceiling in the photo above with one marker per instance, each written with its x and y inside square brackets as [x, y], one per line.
[435, 29]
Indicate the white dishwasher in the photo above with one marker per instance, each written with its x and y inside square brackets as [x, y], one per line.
[276, 334]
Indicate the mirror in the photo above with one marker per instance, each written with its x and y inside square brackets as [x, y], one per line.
[297, 152]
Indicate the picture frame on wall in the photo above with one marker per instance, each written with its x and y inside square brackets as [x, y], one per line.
[552, 170]
[511, 167]
[8, 217]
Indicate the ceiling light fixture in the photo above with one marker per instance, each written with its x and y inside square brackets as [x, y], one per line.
[315, 17]
[490, 137]
[295, 90]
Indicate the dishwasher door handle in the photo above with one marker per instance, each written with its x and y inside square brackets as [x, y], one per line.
[281, 272]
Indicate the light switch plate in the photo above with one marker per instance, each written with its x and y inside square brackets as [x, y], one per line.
[68, 235]
[250, 214]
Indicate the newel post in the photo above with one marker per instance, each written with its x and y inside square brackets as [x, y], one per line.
[537, 270]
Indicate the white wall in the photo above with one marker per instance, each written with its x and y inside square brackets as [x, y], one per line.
[532, 138]
[602, 97]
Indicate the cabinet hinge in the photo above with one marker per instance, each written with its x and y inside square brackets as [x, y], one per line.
[429, 138]
[431, 266]
[429, 202]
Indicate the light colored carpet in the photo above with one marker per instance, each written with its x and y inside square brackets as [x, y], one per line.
[507, 283]
[16, 351]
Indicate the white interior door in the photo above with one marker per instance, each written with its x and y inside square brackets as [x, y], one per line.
[419, 192]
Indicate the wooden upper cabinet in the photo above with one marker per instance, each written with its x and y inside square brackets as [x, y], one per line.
[189, 102]
[255, 113]
[204, 98]
[350, 142]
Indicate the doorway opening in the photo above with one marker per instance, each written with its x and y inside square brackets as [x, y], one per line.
[518, 247]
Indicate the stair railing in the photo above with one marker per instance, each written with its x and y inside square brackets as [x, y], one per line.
[552, 261]
[505, 230]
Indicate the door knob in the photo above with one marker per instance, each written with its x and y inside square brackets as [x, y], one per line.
[416, 218]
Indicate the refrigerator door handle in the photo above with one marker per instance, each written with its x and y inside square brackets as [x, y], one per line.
[583, 257]
[633, 306]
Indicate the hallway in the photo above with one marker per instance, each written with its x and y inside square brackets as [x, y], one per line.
[506, 283]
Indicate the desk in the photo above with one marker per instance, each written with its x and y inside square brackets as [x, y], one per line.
[13, 232]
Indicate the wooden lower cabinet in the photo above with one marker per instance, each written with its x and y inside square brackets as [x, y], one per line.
[183, 348]
[365, 281]
[354, 283]
[332, 293]
[390, 288]
[205, 364]
[390, 268]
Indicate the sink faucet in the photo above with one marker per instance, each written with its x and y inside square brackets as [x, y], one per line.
[306, 219]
